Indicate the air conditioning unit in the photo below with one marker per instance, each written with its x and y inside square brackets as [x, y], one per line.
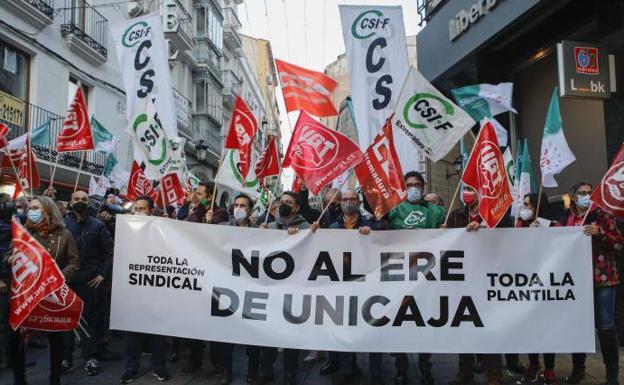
[135, 8]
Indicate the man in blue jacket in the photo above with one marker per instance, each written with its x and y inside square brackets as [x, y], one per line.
[95, 247]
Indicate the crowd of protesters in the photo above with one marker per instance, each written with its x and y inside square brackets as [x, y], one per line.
[79, 237]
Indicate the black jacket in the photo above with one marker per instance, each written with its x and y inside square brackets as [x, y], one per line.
[95, 247]
[361, 222]
[460, 218]
[5, 243]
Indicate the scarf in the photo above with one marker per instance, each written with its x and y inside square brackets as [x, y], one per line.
[42, 228]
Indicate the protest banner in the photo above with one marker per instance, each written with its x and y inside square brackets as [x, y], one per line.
[435, 291]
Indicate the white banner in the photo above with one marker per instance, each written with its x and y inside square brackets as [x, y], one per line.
[143, 60]
[439, 291]
[374, 38]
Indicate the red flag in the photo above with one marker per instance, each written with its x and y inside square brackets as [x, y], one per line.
[609, 194]
[172, 189]
[22, 159]
[485, 172]
[319, 155]
[76, 132]
[35, 275]
[138, 184]
[3, 131]
[296, 185]
[380, 173]
[60, 311]
[243, 127]
[268, 162]
[306, 90]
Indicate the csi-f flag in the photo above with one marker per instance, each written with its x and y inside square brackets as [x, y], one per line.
[230, 175]
[484, 100]
[509, 166]
[555, 153]
[103, 140]
[432, 122]
[40, 136]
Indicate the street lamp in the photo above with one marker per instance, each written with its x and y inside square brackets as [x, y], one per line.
[201, 150]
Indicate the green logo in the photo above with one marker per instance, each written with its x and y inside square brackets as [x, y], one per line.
[135, 34]
[239, 175]
[432, 109]
[151, 137]
[370, 23]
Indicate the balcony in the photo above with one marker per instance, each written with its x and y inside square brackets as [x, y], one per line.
[231, 87]
[177, 24]
[183, 108]
[208, 58]
[35, 117]
[426, 9]
[85, 31]
[205, 128]
[231, 29]
[39, 13]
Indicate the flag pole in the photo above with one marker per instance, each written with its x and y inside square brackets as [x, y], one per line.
[214, 189]
[334, 196]
[162, 195]
[539, 201]
[272, 196]
[28, 160]
[54, 169]
[587, 213]
[79, 171]
[448, 214]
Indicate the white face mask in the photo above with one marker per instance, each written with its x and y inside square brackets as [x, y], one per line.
[526, 214]
[240, 214]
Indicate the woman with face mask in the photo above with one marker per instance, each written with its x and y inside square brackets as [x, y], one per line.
[607, 241]
[46, 225]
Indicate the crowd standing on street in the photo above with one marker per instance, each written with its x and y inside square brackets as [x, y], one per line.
[79, 237]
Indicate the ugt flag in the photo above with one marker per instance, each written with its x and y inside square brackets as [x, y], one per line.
[485, 172]
[306, 90]
[268, 162]
[76, 132]
[610, 192]
[34, 275]
[555, 153]
[432, 122]
[240, 136]
[319, 155]
[380, 173]
[60, 311]
[138, 184]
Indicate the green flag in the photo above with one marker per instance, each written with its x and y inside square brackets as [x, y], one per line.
[103, 140]
[111, 161]
[40, 136]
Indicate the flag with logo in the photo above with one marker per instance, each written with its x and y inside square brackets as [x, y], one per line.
[485, 172]
[230, 176]
[525, 180]
[268, 162]
[104, 141]
[431, 121]
[34, 275]
[76, 133]
[555, 153]
[60, 311]
[139, 184]
[172, 190]
[319, 155]
[380, 175]
[40, 136]
[240, 136]
[19, 157]
[192, 182]
[306, 90]
[151, 140]
[609, 194]
[509, 167]
[98, 187]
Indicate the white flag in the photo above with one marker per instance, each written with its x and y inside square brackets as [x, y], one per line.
[230, 176]
[555, 153]
[433, 123]
[98, 187]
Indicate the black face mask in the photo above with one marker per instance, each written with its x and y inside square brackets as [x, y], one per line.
[80, 207]
[334, 208]
[284, 210]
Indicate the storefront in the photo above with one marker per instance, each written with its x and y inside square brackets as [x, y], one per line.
[490, 41]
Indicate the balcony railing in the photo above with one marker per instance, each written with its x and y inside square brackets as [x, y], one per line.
[426, 9]
[178, 19]
[86, 23]
[231, 27]
[35, 117]
[231, 84]
[183, 108]
[205, 54]
[44, 6]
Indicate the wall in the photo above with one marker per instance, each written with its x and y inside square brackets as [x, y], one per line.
[583, 124]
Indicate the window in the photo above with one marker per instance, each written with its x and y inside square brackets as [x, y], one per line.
[208, 23]
[73, 85]
[200, 22]
[14, 67]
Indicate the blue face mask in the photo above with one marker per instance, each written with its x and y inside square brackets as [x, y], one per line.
[583, 201]
[414, 194]
[35, 216]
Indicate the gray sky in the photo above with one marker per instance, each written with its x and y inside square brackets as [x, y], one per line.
[306, 33]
